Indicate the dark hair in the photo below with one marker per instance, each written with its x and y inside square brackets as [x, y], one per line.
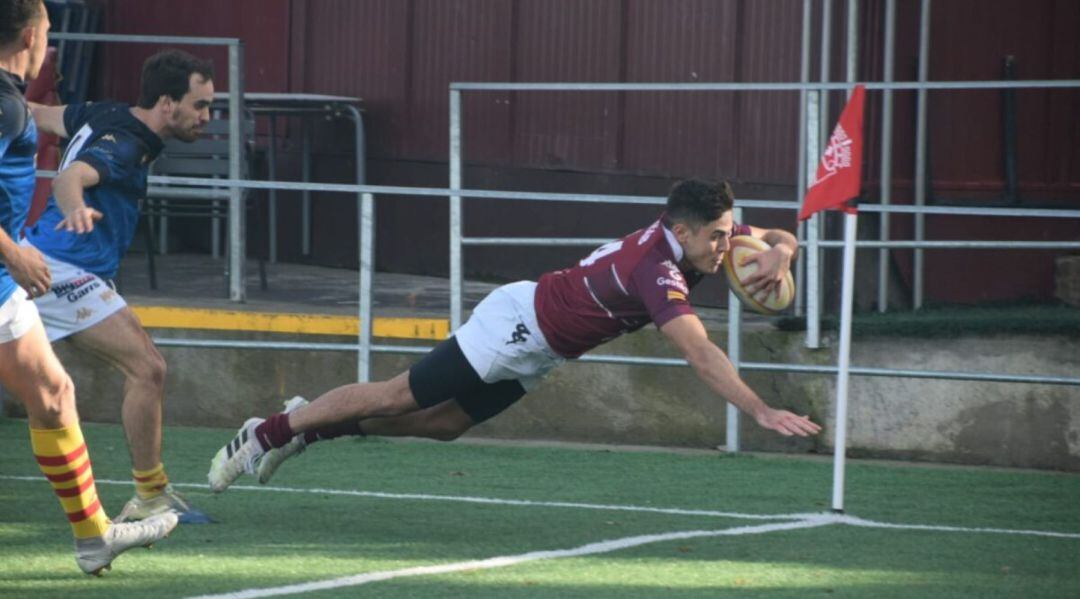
[697, 201]
[168, 73]
[16, 15]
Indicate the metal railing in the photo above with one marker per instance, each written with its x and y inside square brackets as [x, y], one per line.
[813, 244]
[365, 346]
[456, 193]
[236, 234]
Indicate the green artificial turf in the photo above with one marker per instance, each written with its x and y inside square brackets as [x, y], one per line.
[269, 536]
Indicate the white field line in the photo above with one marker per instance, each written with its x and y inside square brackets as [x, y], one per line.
[839, 519]
[510, 560]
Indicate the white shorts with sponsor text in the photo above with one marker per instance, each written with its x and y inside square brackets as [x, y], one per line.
[17, 316]
[76, 301]
[502, 339]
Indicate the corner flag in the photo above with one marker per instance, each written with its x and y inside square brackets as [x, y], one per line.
[839, 174]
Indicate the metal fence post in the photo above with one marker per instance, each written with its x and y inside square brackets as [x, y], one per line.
[456, 267]
[735, 354]
[237, 245]
[886, 153]
[367, 266]
[920, 153]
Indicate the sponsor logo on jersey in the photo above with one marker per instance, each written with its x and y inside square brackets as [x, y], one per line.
[674, 277]
[108, 137]
[676, 296]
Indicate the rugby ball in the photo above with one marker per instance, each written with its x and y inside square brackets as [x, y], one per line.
[770, 303]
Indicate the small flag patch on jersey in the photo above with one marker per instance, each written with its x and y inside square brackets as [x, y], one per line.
[676, 295]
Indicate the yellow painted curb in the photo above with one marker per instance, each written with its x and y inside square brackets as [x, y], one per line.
[162, 317]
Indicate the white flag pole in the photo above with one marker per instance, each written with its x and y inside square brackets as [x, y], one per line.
[844, 366]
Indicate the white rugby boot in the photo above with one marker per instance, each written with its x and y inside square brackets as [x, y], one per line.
[96, 554]
[240, 455]
[273, 458]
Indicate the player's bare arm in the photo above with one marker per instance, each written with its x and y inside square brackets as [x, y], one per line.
[49, 119]
[25, 264]
[773, 264]
[712, 366]
[68, 189]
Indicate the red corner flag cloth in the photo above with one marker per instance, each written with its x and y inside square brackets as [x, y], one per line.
[839, 174]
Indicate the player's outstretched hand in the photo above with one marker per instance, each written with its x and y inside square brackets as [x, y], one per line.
[787, 424]
[772, 266]
[28, 268]
[80, 220]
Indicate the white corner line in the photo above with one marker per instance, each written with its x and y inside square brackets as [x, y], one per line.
[511, 560]
[838, 518]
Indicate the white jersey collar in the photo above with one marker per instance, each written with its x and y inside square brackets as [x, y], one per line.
[676, 248]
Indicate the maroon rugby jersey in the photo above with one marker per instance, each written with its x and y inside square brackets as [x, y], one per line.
[619, 288]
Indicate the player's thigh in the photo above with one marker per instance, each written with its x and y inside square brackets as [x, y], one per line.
[31, 371]
[121, 340]
[445, 379]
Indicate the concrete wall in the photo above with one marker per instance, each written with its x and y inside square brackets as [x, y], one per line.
[968, 422]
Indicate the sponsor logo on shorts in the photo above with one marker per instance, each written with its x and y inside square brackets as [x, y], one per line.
[108, 295]
[82, 314]
[519, 334]
[76, 289]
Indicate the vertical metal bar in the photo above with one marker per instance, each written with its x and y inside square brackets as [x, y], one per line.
[367, 265]
[163, 232]
[816, 226]
[886, 152]
[456, 266]
[1008, 125]
[800, 182]
[305, 196]
[366, 211]
[824, 74]
[361, 153]
[237, 292]
[844, 366]
[734, 354]
[215, 230]
[852, 62]
[920, 153]
[271, 159]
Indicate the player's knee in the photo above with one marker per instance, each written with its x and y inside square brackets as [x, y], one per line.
[151, 370]
[57, 396]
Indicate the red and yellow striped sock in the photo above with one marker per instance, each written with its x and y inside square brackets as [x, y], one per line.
[150, 483]
[62, 456]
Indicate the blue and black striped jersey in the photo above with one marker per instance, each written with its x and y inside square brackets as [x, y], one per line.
[120, 147]
[18, 146]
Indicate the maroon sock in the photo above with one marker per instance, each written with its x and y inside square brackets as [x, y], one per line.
[341, 429]
[274, 431]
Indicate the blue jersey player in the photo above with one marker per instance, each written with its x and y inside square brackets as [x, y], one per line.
[28, 366]
[86, 228]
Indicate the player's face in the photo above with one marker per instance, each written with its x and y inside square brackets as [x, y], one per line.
[705, 247]
[39, 43]
[188, 116]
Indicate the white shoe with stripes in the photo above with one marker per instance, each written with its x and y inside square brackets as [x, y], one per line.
[273, 458]
[240, 455]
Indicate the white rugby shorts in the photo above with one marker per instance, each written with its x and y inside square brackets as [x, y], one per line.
[17, 316]
[76, 301]
[502, 339]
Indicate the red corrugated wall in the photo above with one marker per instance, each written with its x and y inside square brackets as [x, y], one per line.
[400, 55]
